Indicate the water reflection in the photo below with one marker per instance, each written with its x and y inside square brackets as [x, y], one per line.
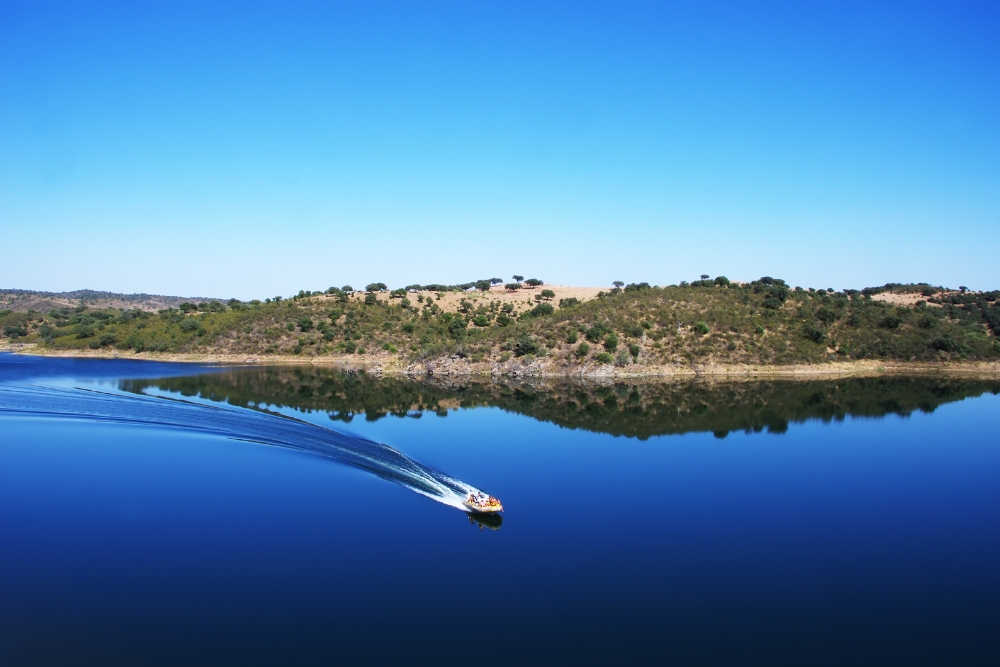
[491, 521]
[631, 410]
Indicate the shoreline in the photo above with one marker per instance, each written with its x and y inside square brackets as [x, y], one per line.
[385, 364]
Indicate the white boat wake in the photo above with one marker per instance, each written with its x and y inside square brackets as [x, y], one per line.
[240, 424]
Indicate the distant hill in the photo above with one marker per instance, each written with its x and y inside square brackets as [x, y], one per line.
[20, 300]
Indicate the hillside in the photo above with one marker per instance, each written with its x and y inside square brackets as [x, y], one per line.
[764, 322]
[20, 300]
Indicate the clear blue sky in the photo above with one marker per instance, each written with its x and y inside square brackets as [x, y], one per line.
[253, 151]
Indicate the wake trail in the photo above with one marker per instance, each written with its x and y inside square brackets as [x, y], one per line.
[236, 423]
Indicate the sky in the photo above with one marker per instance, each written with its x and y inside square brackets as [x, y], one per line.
[256, 149]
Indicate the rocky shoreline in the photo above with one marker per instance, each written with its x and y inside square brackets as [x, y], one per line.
[456, 365]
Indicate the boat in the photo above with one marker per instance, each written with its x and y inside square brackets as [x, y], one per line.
[483, 504]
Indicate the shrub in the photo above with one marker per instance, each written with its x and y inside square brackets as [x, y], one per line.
[408, 327]
[187, 307]
[14, 331]
[596, 332]
[583, 350]
[813, 334]
[571, 337]
[603, 358]
[570, 301]
[370, 299]
[772, 303]
[722, 280]
[927, 322]
[890, 322]
[481, 321]
[701, 328]
[826, 315]
[350, 347]
[946, 344]
[634, 330]
[634, 350]
[135, 342]
[539, 310]
[525, 345]
[637, 287]
[457, 327]
[305, 324]
[623, 358]
[504, 320]
[759, 330]
[389, 347]
[611, 342]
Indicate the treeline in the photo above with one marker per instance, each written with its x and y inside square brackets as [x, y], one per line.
[710, 320]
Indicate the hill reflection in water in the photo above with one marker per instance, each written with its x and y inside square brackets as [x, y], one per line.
[621, 409]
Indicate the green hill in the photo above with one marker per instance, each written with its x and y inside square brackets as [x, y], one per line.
[707, 321]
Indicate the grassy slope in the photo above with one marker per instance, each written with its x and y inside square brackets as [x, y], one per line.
[756, 323]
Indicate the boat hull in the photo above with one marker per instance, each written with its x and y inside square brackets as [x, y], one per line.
[475, 509]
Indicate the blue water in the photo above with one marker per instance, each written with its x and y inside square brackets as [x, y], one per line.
[216, 534]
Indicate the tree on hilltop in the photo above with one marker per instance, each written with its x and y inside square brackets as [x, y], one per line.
[619, 284]
[533, 282]
[518, 278]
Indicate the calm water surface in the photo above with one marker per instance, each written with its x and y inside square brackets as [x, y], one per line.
[160, 514]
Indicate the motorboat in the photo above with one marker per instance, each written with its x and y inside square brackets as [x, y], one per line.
[480, 503]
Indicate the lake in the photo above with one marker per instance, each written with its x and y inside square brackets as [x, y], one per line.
[156, 513]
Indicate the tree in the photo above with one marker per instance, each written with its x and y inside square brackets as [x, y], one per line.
[533, 282]
[570, 301]
[484, 285]
[510, 287]
[547, 294]
[525, 345]
[496, 281]
[187, 307]
[611, 342]
[375, 287]
[704, 276]
[619, 284]
[540, 310]
[518, 278]
[348, 289]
